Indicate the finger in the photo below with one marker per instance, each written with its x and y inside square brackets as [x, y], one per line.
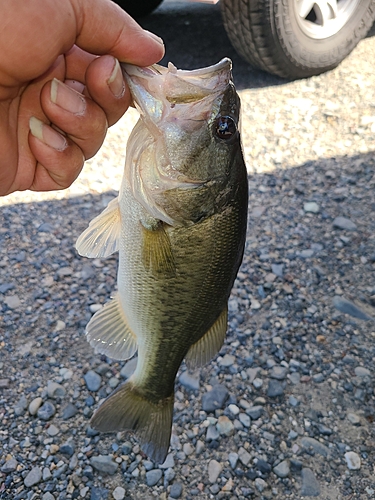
[78, 116]
[59, 159]
[104, 28]
[77, 60]
[106, 86]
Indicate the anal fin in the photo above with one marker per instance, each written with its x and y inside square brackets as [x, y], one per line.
[127, 409]
[101, 238]
[205, 349]
[108, 332]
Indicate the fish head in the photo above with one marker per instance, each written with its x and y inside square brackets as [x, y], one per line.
[187, 138]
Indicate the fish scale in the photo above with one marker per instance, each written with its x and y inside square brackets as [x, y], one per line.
[179, 225]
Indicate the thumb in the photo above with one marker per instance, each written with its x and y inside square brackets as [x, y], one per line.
[104, 28]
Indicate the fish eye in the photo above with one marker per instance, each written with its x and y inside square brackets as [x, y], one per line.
[225, 127]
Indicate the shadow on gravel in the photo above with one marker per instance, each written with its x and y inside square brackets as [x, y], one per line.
[195, 37]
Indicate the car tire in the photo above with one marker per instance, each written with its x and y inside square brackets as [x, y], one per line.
[138, 8]
[274, 36]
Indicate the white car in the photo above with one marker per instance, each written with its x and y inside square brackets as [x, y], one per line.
[289, 38]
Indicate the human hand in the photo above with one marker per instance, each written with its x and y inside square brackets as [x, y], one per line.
[57, 97]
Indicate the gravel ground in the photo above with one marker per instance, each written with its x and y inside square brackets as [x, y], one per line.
[287, 408]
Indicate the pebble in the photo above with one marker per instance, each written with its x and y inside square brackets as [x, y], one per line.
[225, 426]
[35, 405]
[129, 368]
[104, 464]
[354, 419]
[215, 398]
[33, 477]
[153, 476]
[9, 466]
[353, 460]
[233, 459]
[168, 462]
[347, 307]
[227, 360]
[214, 471]
[244, 456]
[55, 390]
[344, 223]
[118, 493]
[275, 389]
[176, 490]
[282, 469]
[311, 207]
[93, 381]
[317, 446]
[189, 380]
[279, 372]
[310, 486]
[46, 411]
[360, 371]
[69, 411]
[255, 412]
[13, 301]
[52, 430]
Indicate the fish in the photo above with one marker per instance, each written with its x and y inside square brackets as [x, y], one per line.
[179, 225]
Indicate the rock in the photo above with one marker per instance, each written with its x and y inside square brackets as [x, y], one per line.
[279, 372]
[233, 409]
[99, 493]
[225, 426]
[214, 470]
[104, 464]
[318, 447]
[260, 484]
[212, 433]
[129, 368]
[52, 430]
[360, 371]
[67, 448]
[176, 490]
[310, 485]
[69, 411]
[345, 306]
[354, 419]
[311, 207]
[275, 389]
[188, 449]
[244, 456]
[48, 496]
[255, 412]
[9, 466]
[153, 476]
[233, 459]
[244, 419]
[190, 380]
[278, 269]
[46, 411]
[168, 462]
[20, 406]
[344, 223]
[214, 399]
[353, 460]
[227, 360]
[282, 469]
[118, 493]
[33, 477]
[55, 390]
[93, 380]
[13, 301]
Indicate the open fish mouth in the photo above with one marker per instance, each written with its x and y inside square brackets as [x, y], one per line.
[157, 87]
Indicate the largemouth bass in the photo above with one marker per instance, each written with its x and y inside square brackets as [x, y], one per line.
[179, 224]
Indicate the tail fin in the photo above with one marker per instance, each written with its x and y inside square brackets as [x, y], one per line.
[127, 409]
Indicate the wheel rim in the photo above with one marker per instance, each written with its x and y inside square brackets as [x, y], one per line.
[320, 19]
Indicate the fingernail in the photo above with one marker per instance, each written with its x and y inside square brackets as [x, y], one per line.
[154, 37]
[47, 134]
[116, 81]
[67, 98]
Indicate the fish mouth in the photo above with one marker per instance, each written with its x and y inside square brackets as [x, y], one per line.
[156, 87]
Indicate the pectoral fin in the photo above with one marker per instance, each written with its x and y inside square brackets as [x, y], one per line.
[108, 332]
[205, 349]
[157, 252]
[101, 238]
